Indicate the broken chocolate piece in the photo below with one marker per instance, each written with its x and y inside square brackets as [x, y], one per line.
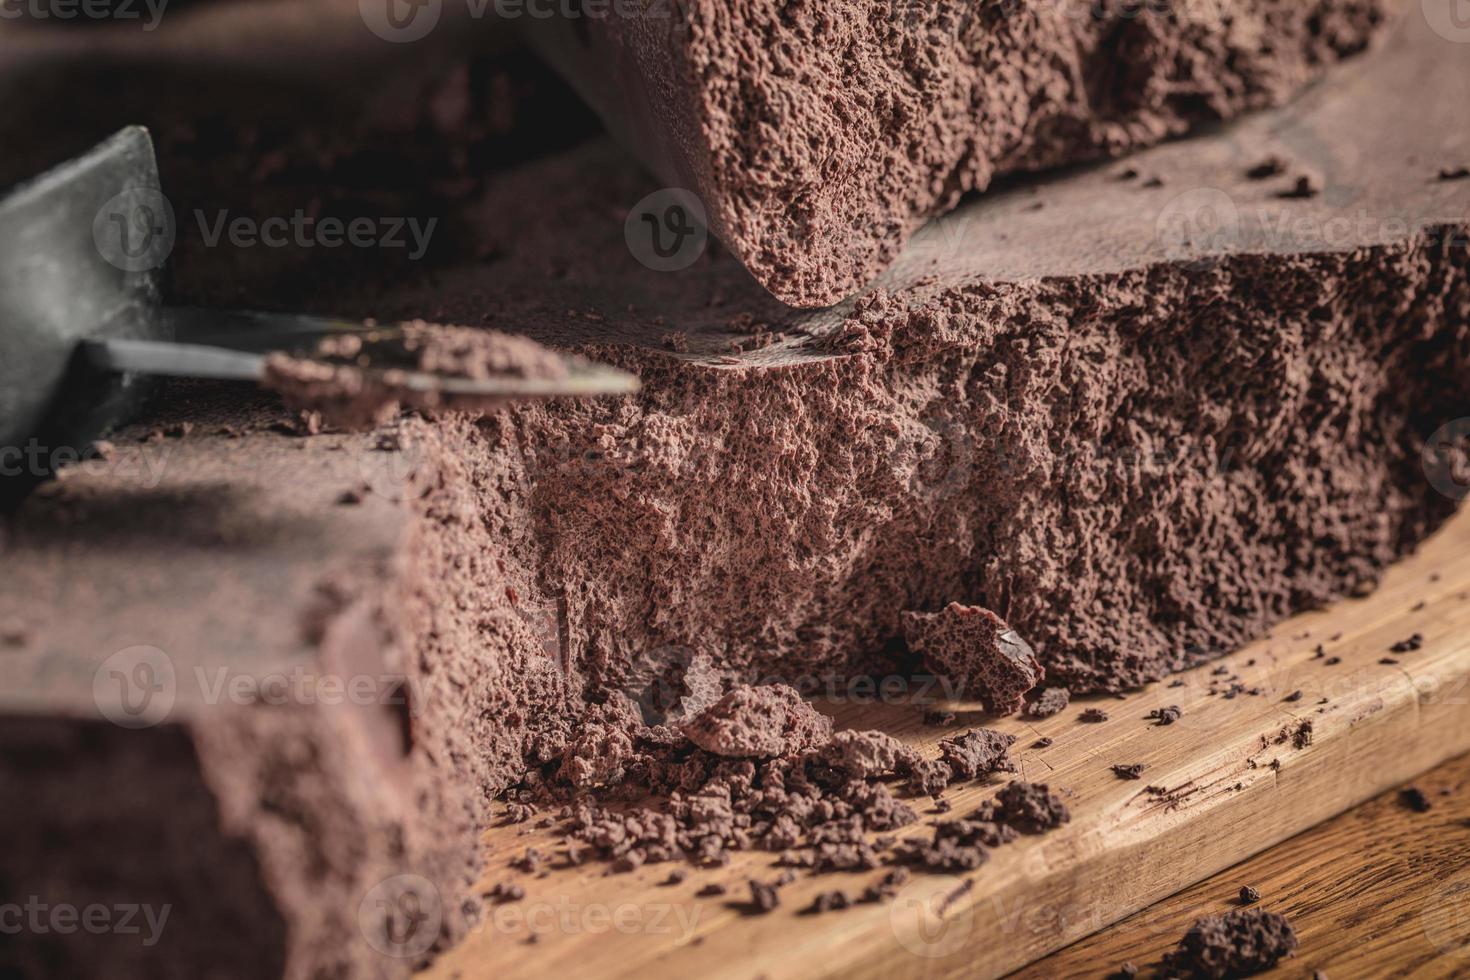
[978, 652]
[864, 755]
[1237, 944]
[819, 139]
[1029, 807]
[759, 722]
[1249, 895]
[978, 752]
[1129, 771]
[1412, 644]
[1051, 701]
[1093, 716]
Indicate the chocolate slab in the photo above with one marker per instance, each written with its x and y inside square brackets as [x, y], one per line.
[820, 136]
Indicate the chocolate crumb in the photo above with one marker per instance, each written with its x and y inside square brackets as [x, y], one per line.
[1131, 771]
[1388, 661]
[677, 876]
[1293, 696]
[1332, 661]
[1029, 807]
[711, 890]
[349, 497]
[829, 902]
[530, 862]
[506, 892]
[939, 719]
[1306, 186]
[1413, 643]
[1043, 743]
[1237, 944]
[1454, 173]
[1415, 799]
[763, 897]
[1166, 715]
[1126, 972]
[1271, 166]
[1093, 716]
[1249, 895]
[887, 886]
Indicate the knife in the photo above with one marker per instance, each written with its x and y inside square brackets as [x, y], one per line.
[83, 327]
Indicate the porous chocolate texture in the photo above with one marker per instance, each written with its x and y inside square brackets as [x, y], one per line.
[1140, 448]
[977, 652]
[820, 136]
[1237, 944]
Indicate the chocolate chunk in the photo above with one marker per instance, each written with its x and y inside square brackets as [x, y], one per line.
[1413, 643]
[978, 652]
[823, 138]
[1029, 807]
[929, 777]
[1093, 716]
[1051, 701]
[978, 752]
[1130, 771]
[1249, 895]
[865, 755]
[759, 722]
[1166, 715]
[1236, 944]
[763, 897]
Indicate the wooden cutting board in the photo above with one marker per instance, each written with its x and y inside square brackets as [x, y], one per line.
[1241, 775]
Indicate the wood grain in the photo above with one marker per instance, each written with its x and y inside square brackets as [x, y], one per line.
[1381, 891]
[1239, 783]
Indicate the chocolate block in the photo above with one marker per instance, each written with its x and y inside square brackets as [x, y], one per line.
[221, 708]
[1138, 432]
[820, 136]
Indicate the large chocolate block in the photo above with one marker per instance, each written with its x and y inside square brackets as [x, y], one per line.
[820, 136]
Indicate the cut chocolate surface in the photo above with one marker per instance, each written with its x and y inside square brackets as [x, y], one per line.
[820, 137]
